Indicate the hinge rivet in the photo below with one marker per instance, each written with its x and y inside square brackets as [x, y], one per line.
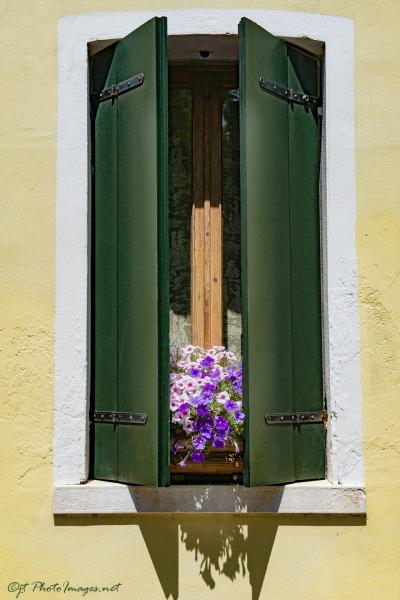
[293, 418]
[123, 86]
[287, 93]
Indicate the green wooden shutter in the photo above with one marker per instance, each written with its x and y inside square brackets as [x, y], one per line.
[280, 150]
[130, 262]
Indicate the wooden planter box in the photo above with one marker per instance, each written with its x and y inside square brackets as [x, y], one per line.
[223, 461]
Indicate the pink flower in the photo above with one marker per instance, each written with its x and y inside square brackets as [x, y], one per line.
[223, 397]
[174, 404]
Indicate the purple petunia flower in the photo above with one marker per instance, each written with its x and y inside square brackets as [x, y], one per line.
[197, 456]
[209, 389]
[194, 372]
[195, 400]
[202, 421]
[221, 424]
[199, 442]
[239, 416]
[207, 432]
[203, 428]
[218, 442]
[215, 375]
[203, 409]
[238, 387]
[207, 362]
[230, 406]
[184, 407]
[222, 435]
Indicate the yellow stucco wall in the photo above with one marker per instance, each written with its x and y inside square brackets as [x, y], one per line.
[279, 558]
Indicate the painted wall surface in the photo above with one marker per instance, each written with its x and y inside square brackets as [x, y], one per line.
[235, 557]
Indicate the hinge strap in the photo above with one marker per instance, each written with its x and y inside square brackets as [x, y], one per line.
[120, 88]
[287, 94]
[297, 418]
[125, 418]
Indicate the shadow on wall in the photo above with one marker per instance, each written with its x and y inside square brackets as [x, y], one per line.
[223, 545]
[231, 548]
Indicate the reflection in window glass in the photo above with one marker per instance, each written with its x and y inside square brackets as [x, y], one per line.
[180, 211]
[232, 284]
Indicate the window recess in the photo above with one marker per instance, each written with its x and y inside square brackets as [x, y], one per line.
[280, 258]
[205, 270]
[204, 219]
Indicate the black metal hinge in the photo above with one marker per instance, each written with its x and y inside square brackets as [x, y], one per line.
[288, 94]
[125, 418]
[297, 418]
[120, 88]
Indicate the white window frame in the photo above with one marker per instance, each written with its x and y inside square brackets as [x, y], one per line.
[343, 489]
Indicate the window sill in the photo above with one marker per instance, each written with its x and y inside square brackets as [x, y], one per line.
[312, 497]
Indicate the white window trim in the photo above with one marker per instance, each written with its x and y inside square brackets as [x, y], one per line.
[343, 490]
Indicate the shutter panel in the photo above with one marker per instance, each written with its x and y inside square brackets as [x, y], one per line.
[130, 263]
[281, 280]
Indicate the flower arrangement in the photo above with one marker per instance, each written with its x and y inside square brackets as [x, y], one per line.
[205, 402]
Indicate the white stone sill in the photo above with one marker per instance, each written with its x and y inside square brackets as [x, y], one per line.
[312, 497]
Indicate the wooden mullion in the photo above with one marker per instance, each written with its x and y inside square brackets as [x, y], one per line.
[207, 100]
[215, 214]
[198, 248]
[207, 213]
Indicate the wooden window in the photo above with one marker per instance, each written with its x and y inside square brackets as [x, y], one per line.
[281, 296]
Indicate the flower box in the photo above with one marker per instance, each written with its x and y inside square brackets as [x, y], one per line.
[206, 411]
[221, 461]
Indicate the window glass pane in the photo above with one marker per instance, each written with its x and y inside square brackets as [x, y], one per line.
[232, 284]
[180, 211]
